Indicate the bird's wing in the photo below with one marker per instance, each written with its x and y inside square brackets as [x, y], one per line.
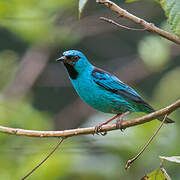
[113, 84]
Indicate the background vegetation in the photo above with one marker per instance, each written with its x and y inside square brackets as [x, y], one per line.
[36, 92]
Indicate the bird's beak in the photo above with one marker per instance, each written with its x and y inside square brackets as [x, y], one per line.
[62, 58]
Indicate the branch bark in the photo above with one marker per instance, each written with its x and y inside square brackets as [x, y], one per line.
[90, 130]
[147, 26]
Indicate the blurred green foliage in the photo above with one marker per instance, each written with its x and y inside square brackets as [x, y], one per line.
[86, 157]
[160, 48]
[34, 20]
[8, 66]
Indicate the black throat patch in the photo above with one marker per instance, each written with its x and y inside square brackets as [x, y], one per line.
[72, 72]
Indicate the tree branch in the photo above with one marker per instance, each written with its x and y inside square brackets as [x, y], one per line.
[54, 149]
[90, 130]
[128, 164]
[119, 25]
[148, 26]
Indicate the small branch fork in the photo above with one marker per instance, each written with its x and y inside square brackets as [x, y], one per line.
[90, 130]
[119, 25]
[147, 26]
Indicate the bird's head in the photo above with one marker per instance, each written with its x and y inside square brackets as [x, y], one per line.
[75, 59]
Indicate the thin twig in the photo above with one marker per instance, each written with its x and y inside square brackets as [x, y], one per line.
[90, 130]
[54, 149]
[119, 25]
[148, 26]
[146, 145]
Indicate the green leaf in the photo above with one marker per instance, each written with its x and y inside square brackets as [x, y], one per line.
[82, 4]
[172, 158]
[172, 11]
[158, 174]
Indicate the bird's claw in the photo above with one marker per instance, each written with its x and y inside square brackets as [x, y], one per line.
[97, 130]
[118, 125]
[103, 133]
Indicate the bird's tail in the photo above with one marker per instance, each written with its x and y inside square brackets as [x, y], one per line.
[168, 120]
[150, 109]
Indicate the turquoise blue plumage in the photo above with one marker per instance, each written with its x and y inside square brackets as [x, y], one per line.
[100, 89]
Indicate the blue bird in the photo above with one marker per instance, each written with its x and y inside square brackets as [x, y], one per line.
[102, 90]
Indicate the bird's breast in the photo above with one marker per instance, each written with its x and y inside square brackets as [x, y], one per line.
[96, 96]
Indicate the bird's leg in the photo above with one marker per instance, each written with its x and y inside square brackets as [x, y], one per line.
[98, 127]
[120, 118]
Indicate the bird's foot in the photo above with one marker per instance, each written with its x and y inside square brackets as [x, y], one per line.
[98, 127]
[118, 124]
[120, 119]
[97, 130]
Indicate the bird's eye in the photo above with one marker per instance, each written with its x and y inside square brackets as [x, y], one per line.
[69, 57]
[75, 58]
